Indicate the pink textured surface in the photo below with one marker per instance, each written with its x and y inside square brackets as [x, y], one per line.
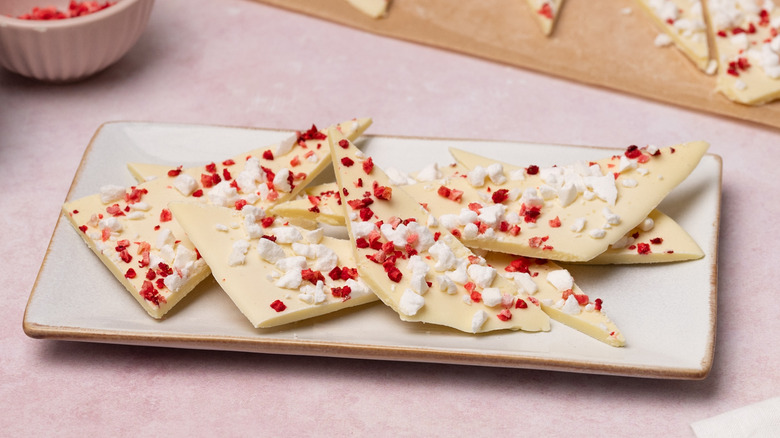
[242, 63]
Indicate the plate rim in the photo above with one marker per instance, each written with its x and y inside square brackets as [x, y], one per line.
[365, 351]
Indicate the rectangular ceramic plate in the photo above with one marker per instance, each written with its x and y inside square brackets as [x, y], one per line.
[667, 312]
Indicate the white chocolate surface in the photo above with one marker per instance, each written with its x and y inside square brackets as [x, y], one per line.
[252, 285]
[675, 243]
[683, 21]
[142, 228]
[372, 8]
[456, 310]
[546, 22]
[539, 236]
[742, 38]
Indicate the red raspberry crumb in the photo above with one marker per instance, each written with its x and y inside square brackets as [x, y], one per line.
[518, 265]
[312, 134]
[394, 274]
[347, 162]
[633, 151]
[165, 215]
[455, 195]
[366, 214]
[530, 214]
[357, 204]
[520, 304]
[114, 210]
[150, 294]
[206, 180]
[312, 276]
[335, 273]
[643, 248]
[382, 192]
[278, 305]
[505, 315]
[349, 273]
[341, 292]
[344, 143]
[546, 11]
[125, 256]
[164, 270]
[500, 196]
[368, 165]
[764, 18]
[267, 221]
[268, 155]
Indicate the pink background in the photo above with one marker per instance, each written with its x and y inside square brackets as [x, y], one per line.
[240, 63]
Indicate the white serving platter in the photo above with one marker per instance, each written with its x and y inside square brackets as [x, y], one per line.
[667, 312]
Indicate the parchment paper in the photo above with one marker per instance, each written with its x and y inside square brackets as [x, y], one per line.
[593, 43]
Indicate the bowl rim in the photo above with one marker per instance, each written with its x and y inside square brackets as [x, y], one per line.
[121, 5]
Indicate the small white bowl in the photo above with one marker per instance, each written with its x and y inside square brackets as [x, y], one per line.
[72, 48]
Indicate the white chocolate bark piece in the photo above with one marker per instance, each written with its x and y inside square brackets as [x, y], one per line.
[561, 298]
[658, 239]
[746, 39]
[132, 232]
[322, 203]
[286, 275]
[303, 154]
[372, 8]
[420, 271]
[546, 13]
[566, 213]
[683, 21]
[136, 213]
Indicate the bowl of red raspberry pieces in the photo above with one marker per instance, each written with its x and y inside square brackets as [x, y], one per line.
[68, 40]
